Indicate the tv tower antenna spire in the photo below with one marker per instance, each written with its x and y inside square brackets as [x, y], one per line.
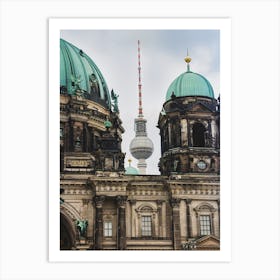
[140, 109]
[141, 147]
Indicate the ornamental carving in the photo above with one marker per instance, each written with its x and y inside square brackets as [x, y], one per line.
[175, 202]
[99, 200]
[205, 207]
[121, 200]
[146, 208]
[188, 201]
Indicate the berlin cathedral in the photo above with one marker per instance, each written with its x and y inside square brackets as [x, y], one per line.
[105, 206]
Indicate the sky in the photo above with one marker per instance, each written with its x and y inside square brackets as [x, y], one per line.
[115, 52]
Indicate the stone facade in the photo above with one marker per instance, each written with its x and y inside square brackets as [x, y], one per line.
[174, 206]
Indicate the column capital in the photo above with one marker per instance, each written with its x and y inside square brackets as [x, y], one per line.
[188, 201]
[86, 201]
[175, 202]
[159, 203]
[121, 200]
[132, 201]
[99, 200]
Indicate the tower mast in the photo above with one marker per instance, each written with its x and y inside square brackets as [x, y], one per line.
[140, 109]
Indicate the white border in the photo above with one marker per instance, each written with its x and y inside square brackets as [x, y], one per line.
[224, 25]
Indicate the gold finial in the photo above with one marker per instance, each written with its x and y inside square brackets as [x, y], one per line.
[129, 161]
[188, 59]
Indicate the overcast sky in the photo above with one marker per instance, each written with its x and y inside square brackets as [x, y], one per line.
[162, 60]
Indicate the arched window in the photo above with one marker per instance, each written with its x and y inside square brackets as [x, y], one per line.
[147, 217]
[205, 216]
[199, 135]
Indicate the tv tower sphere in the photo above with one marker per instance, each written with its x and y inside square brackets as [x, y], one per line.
[141, 147]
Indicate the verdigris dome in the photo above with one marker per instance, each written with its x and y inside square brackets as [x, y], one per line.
[130, 170]
[141, 147]
[190, 84]
[79, 72]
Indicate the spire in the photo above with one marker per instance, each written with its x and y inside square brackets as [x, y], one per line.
[140, 109]
[188, 60]
[141, 147]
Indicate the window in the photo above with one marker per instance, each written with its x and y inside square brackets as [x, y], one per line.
[108, 229]
[146, 226]
[199, 135]
[205, 225]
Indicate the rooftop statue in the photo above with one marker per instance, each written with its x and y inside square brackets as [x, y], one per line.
[76, 83]
[115, 101]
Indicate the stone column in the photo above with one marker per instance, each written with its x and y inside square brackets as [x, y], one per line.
[169, 135]
[132, 222]
[189, 133]
[99, 222]
[189, 219]
[159, 206]
[213, 223]
[213, 132]
[164, 215]
[128, 219]
[184, 133]
[121, 242]
[176, 228]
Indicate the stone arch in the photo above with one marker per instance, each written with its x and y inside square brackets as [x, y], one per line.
[205, 206]
[146, 206]
[68, 230]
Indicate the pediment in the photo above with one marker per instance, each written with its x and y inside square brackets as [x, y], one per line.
[208, 242]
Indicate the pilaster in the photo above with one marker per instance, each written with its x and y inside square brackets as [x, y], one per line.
[99, 221]
[189, 218]
[121, 242]
[175, 204]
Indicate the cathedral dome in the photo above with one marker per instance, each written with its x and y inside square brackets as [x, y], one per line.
[130, 170]
[141, 147]
[79, 72]
[190, 84]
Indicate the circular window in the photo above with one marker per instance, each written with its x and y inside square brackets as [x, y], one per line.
[201, 164]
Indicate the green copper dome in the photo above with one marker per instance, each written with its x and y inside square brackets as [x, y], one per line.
[190, 84]
[79, 72]
[130, 170]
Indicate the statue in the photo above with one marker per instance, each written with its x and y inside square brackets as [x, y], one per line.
[115, 101]
[107, 124]
[76, 83]
[82, 227]
[175, 165]
[94, 87]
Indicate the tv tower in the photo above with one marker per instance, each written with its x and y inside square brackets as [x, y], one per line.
[141, 147]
